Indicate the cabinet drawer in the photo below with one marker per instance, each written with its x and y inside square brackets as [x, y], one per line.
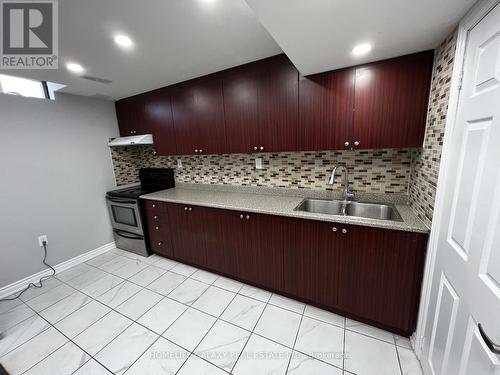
[158, 227]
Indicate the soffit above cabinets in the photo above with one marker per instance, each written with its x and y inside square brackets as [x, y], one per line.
[174, 40]
[319, 35]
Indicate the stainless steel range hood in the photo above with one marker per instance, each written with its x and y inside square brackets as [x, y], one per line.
[145, 139]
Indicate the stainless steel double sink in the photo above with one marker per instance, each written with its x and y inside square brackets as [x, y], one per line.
[350, 208]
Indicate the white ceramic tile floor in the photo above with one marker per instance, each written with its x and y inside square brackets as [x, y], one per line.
[122, 314]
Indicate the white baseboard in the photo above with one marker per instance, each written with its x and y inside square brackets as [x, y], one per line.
[21, 284]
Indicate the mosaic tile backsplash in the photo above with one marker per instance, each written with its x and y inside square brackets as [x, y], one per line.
[384, 171]
[425, 161]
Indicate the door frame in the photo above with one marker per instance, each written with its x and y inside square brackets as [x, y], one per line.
[471, 19]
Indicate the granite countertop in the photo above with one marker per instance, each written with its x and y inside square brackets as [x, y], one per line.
[282, 201]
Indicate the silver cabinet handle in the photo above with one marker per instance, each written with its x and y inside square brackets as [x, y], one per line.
[346, 144]
[196, 151]
[261, 148]
[248, 217]
[495, 348]
[334, 229]
[190, 208]
[185, 208]
[201, 151]
[160, 243]
[255, 147]
[241, 216]
[356, 143]
[155, 217]
[344, 231]
[157, 228]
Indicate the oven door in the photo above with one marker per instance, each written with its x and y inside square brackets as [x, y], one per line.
[125, 214]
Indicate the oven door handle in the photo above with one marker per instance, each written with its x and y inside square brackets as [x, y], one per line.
[128, 235]
[117, 200]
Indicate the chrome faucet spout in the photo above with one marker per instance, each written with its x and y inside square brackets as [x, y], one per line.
[346, 193]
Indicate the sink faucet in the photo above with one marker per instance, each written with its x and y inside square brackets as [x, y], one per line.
[346, 194]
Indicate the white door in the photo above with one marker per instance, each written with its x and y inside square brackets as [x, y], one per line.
[466, 279]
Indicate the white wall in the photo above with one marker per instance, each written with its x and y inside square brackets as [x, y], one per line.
[55, 168]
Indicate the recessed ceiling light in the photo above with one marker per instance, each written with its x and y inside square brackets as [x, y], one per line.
[74, 67]
[123, 41]
[361, 49]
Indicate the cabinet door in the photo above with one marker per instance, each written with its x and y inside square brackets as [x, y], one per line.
[241, 109]
[326, 105]
[158, 119]
[390, 102]
[380, 274]
[209, 111]
[129, 114]
[278, 104]
[158, 226]
[185, 124]
[311, 256]
[260, 250]
[222, 229]
[198, 113]
[301, 243]
[331, 245]
[186, 226]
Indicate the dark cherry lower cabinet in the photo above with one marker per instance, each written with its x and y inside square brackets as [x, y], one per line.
[380, 274]
[158, 226]
[369, 274]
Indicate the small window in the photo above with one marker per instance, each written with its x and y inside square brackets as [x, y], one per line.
[22, 86]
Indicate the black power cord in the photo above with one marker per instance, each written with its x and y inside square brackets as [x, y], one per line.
[34, 285]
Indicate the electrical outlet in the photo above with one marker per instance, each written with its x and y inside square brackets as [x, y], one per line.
[42, 239]
[179, 163]
[258, 163]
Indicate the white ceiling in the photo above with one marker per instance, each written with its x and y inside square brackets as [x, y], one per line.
[175, 40]
[318, 35]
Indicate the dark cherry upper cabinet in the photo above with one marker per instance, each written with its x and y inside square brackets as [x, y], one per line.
[198, 113]
[326, 104]
[241, 109]
[265, 106]
[390, 101]
[380, 272]
[158, 118]
[129, 113]
[278, 104]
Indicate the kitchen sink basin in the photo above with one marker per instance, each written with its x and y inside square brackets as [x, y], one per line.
[350, 208]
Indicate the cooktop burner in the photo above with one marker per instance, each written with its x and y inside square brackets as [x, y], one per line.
[132, 192]
[152, 179]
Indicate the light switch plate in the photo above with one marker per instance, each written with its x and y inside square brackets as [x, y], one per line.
[258, 163]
